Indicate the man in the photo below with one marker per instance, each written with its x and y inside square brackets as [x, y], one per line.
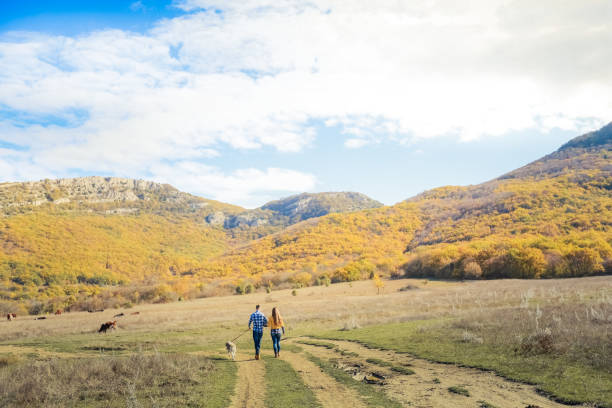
[259, 321]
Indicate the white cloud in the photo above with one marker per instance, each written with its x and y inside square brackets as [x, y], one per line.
[356, 143]
[249, 74]
[248, 187]
[137, 6]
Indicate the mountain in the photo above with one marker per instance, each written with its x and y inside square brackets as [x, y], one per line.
[601, 138]
[304, 206]
[290, 210]
[63, 241]
[552, 217]
[84, 243]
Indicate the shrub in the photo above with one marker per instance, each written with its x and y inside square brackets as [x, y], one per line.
[472, 270]
[323, 280]
[301, 279]
[540, 342]
[582, 262]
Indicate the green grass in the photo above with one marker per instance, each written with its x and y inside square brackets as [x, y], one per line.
[393, 367]
[324, 344]
[485, 404]
[562, 379]
[456, 389]
[402, 370]
[219, 389]
[285, 388]
[379, 362]
[329, 346]
[127, 342]
[371, 395]
[291, 347]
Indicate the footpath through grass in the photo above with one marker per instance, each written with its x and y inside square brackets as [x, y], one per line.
[285, 388]
[564, 380]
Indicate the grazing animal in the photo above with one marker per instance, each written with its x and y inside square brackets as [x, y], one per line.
[11, 316]
[119, 315]
[58, 312]
[231, 349]
[135, 313]
[108, 326]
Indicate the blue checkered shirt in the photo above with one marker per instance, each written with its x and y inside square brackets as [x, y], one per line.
[258, 320]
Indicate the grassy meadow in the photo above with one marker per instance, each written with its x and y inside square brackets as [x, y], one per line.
[553, 334]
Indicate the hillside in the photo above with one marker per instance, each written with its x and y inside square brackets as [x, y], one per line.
[63, 241]
[552, 217]
[68, 243]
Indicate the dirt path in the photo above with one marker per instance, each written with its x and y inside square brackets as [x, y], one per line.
[250, 384]
[329, 392]
[429, 385]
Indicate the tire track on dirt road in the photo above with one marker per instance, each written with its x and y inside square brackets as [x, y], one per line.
[250, 385]
[429, 385]
[329, 392]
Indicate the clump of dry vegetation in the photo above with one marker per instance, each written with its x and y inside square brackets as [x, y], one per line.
[149, 378]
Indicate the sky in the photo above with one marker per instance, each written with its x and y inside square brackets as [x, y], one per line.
[245, 101]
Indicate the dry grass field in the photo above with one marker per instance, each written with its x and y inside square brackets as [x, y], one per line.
[553, 334]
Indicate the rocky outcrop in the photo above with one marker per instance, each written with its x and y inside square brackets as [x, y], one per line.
[304, 206]
[216, 218]
[97, 192]
[294, 209]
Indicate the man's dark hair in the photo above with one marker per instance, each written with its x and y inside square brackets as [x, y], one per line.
[257, 307]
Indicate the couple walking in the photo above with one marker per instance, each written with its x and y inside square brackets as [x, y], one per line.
[258, 320]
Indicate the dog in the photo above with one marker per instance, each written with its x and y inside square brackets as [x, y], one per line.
[108, 326]
[231, 349]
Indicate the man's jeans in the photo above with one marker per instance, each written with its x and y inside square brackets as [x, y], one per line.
[257, 340]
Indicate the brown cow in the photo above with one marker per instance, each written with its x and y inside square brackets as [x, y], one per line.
[108, 326]
[58, 312]
[11, 316]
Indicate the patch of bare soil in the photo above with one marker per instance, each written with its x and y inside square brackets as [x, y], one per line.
[250, 384]
[329, 392]
[429, 385]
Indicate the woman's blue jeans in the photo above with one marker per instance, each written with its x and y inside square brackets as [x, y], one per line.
[276, 342]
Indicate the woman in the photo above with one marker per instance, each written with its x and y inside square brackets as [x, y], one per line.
[276, 326]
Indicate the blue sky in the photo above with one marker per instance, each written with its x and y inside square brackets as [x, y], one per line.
[73, 17]
[252, 100]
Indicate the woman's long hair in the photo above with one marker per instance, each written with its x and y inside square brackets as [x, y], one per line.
[276, 316]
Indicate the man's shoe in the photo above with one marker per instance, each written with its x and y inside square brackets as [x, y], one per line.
[256, 356]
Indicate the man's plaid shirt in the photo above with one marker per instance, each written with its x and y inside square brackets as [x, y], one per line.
[258, 320]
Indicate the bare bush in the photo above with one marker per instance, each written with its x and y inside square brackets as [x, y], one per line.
[540, 342]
